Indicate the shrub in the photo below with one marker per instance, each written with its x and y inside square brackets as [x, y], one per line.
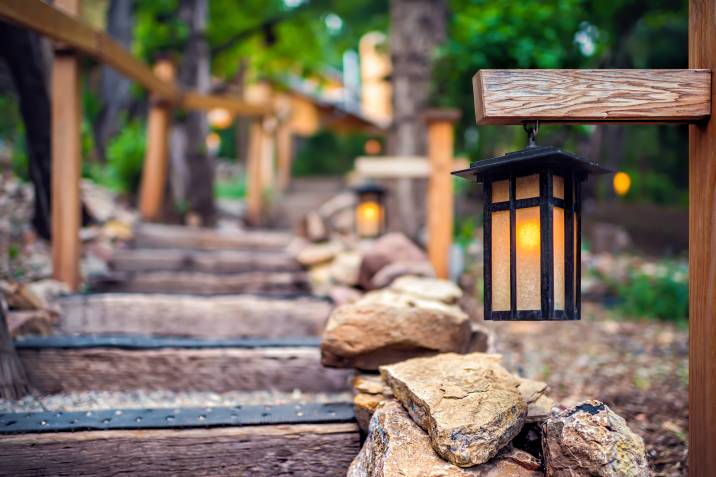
[661, 293]
[125, 155]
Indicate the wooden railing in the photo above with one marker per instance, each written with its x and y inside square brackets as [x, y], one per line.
[72, 38]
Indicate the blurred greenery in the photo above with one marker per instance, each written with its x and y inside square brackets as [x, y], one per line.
[125, 155]
[233, 188]
[661, 294]
[328, 153]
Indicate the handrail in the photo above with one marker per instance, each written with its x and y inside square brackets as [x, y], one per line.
[53, 23]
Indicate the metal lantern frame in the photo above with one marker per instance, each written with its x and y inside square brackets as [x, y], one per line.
[371, 192]
[548, 162]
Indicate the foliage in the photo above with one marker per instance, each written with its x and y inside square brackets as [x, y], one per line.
[328, 153]
[662, 294]
[232, 188]
[125, 155]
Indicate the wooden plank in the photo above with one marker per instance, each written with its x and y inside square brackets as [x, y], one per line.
[592, 96]
[237, 106]
[66, 164]
[55, 370]
[172, 236]
[221, 261]
[196, 317]
[276, 450]
[440, 194]
[702, 261]
[202, 283]
[383, 167]
[154, 169]
[254, 193]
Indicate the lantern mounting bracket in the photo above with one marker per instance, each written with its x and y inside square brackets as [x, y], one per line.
[532, 128]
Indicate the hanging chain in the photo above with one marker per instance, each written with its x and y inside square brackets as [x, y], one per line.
[532, 127]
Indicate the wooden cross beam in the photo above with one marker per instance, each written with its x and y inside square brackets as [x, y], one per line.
[645, 96]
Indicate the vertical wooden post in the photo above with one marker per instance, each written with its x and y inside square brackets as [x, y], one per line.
[254, 194]
[440, 197]
[66, 160]
[702, 259]
[284, 151]
[154, 170]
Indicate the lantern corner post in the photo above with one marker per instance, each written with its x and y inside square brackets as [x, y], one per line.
[702, 260]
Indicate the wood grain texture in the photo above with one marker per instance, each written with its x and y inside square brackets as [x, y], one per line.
[66, 163]
[54, 370]
[592, 96]
[221, 261]
[193, 317]
[171, 236]
[279, 450]
[702, 260]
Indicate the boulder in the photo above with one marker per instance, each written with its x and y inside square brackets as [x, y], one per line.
[316, 254]
[434, 289]
[366, 335]
[539, 406]
[344, 269]
[313, 227]
[391, 272]
[390, 248]
[370, 391]
[470, 406]
[342, 295]
[589, 439]
[396, 446]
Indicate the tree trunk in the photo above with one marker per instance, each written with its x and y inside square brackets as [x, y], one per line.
[192, 170]
[114, 87]
[13, 381]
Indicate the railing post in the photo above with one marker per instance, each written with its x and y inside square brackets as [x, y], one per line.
[254, 193]
[154, 170]
[284, 153]
[66, 160]
[440, 195]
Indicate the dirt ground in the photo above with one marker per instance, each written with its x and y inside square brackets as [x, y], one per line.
[639, 369]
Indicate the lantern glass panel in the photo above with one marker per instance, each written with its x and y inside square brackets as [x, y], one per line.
[527, 258]
[527, 187]
[369, 217]
[558, 251]
[501, 191]
[558, 187]
[501, 260]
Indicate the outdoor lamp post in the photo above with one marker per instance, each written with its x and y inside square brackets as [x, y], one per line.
[370, 210]
[532, 231]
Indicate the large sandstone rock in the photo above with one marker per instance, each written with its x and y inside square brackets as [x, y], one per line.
[470, 406]
[424, 288]
[370, 391]
[589, 439]
[395, 270]
[366, 335]
[319, 253]
[396, 446]
[539, 405]
[390, 248]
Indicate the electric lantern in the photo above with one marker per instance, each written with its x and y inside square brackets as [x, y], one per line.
[370, 210]
[532, 231]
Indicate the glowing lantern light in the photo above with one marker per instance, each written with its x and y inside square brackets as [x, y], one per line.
[372, 147]
[213, 142]
[370, 211]
[622, 183]
[532, 231]
[220, 118]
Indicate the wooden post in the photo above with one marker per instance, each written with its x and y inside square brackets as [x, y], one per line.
[254, 194]
[702, 259]
[440, 196]
[154, 171]
[66, 161]
[284, 151]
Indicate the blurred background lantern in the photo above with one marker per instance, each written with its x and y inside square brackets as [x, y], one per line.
[622, 183]
[532, 231]
[370, 210]
[220, 118]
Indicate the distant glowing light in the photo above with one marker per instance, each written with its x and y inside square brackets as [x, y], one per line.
[622, 183]
[213, 142]
[220, 118]
[528, 235]
[333, 22]
[372, 147]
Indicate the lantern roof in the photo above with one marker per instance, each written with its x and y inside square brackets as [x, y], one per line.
[369, 188]
[531, 158]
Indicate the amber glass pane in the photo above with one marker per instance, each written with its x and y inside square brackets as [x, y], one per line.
[501, 260]
[558, 254]
[527, 257]
[501, 191]
[527, 187]
[369, 217]
[558, 187]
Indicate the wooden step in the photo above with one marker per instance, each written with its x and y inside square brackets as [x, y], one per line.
[273, 450]
[201, 283]
[174, 236]
[221, 261]
[221, 317]
[57, 364]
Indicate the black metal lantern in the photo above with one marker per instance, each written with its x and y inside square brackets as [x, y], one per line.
[532, 231]
[370, 210]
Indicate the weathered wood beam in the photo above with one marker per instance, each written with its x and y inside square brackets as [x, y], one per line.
[168, 236]
[275, 450]
[54, 370]
[220, 317]
[202, 283]
[592, 96]
[702, 260]
[53, 23]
